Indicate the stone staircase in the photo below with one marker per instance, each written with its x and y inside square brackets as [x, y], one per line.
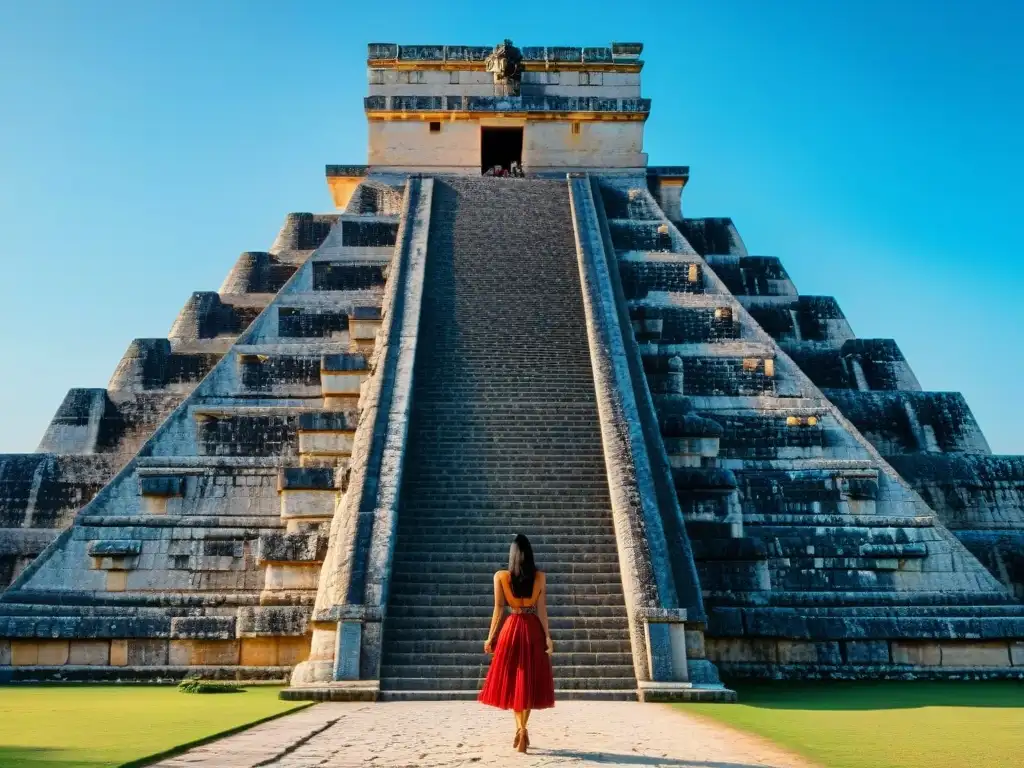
[504, 439]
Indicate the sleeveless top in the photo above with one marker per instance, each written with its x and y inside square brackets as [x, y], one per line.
[521, 605]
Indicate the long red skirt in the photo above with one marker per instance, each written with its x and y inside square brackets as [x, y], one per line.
[520, 674]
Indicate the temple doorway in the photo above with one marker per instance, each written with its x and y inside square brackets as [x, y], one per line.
[500, 146]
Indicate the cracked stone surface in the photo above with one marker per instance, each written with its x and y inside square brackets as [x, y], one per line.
[460, 733]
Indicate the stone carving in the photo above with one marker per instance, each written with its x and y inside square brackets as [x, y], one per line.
[506, 64]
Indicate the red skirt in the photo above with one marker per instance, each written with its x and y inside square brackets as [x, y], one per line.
[520, 674]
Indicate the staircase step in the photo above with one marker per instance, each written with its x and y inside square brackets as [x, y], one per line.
[487, 556]
[427, 630]
[483, 566]
[612, 667]
[499, 541]
[442, 614]
[558, 592]
[471, 695]
[395, 683]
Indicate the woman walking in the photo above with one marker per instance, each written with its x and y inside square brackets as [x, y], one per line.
[520, 676]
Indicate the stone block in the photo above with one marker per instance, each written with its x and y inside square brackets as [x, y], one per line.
[259, 651]
[328, 421]
[345, 384]
[344, 363]
[317, 505]
[695, 644]
[114, 548]
[189, 653]
[326, 443]
[723, 621]
[916, 654]
[290, 576]
[53, 653]
[118, 653]
[306, 479]
[89, 653]
[273, 620]
[977, 654]
[292, 650]
[291, 547]
[5, 653]
[161, 485]
[728, 649]
[24, 653]
[800, 652]
[867, 652]
[117, 581]
[1016, 654]
[203, 627]
[147, 653]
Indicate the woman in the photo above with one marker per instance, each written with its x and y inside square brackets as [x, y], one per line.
[520, 675]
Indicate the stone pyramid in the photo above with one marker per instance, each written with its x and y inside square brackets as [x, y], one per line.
[313, 477]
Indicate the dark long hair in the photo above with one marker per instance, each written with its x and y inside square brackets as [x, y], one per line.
[521, 566]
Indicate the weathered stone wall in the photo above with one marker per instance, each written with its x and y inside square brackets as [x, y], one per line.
[981, 499]
[815, 557]
[203, 551]
[97, 431]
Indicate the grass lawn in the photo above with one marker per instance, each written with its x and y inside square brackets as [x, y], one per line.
[884, 724]
[93, 726]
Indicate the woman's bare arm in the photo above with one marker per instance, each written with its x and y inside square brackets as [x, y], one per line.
[542, 611]
[499, 607]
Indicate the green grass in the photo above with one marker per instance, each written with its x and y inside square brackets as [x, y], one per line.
[884, 724]
[93, 726]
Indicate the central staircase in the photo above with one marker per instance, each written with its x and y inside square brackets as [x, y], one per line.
[504, 439]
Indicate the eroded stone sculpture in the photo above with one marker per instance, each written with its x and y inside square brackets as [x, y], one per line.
[505, 64]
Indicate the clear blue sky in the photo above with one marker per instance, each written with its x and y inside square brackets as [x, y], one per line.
[874, 146]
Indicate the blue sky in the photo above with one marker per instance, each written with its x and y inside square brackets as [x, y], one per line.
[873, 146]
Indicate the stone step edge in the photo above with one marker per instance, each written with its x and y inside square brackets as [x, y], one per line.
[471, 695]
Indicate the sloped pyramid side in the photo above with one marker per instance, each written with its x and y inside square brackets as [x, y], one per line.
[202, 553]
[931, 438]
[816, 557]
[96, 431]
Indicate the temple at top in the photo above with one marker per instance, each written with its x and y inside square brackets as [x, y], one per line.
[457, 109]
[314, 475]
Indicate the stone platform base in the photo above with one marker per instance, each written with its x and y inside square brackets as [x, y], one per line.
[69, 673]
[865, 672]
[574, 695]
[370, 691]
[355, 690]
[669, 692]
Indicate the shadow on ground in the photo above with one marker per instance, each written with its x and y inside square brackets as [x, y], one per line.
[12, 756]
[877, 695]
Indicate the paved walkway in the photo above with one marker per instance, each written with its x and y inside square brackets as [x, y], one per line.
[428, 734]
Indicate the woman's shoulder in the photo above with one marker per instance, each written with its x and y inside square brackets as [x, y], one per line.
[501, 575]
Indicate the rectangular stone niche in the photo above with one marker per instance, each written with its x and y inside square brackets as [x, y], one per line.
[341, 376]
[116, 557]
[161, 494]
[308, 494]
[363, 325]
[326, 438]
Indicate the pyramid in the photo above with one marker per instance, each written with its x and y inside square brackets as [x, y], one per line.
[314, 475]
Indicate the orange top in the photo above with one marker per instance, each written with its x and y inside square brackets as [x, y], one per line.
[517, 603]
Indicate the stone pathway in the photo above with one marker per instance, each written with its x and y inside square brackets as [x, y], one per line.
[428, 734]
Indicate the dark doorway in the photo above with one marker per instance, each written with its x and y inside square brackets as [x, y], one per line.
[500, 146]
